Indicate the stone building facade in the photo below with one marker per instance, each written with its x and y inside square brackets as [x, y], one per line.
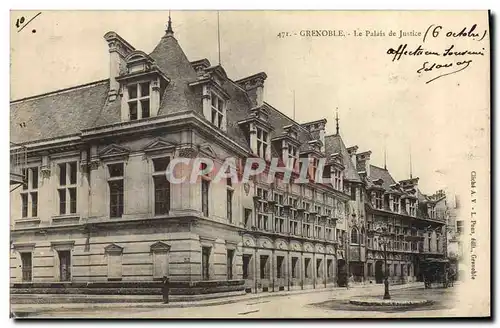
[403, 228]
[96, 205]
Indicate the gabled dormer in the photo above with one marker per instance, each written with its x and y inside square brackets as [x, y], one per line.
[258, 130]
[211, 80]
[288, 144]
[334, 169]
[142, 84]
[135, 79]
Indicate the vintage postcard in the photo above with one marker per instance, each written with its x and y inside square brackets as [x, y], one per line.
[250, 164]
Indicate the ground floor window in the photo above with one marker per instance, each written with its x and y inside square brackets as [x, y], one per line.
[26, 266]
[264, 266]
[279, 266]
[295, 260]
[329, 268]
[319, 271]
[370, 269]
[205, 262]
[307, 264]
[65, 265]
[246, 265]
[230, 255]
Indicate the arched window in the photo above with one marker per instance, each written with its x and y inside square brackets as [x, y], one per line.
[354, 236]
[362, 236]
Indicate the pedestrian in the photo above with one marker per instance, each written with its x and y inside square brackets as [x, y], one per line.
[165, 289]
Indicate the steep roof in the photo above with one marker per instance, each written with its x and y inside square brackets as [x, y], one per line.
[56, 114]
[173, 62]
[68, 111]
[380, 173]
[335, 144]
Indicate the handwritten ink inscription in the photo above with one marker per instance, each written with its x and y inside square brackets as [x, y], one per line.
[20, 22]
[442, 62]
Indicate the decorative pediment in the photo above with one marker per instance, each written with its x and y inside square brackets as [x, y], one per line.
[114, 151]
[160, 246]
[208, 150]
[113, 249]
[159, 145]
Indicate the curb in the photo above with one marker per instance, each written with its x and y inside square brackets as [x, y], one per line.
[157, 305]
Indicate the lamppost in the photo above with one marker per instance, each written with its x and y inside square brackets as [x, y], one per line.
[384, 239]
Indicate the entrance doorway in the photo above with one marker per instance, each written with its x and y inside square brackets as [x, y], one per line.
[379, 272]
[341, 273]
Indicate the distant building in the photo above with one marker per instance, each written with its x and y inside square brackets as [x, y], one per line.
[403, 222]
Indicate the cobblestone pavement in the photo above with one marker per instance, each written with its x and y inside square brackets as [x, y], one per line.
[318, 304]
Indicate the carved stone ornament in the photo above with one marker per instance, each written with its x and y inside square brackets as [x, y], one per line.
[94, 164]
[45, 172]
[188, 152]
[246, 187]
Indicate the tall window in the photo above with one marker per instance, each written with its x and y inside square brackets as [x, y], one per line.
[353, 192]
[354, 236]
[378, 200]
[262, 142]
[229, 264]
[460, 226]
[205, 262]
[413, 207]
[29, 194]
[337, 180]
[314, 167]
[217, 110]
[229, 206]
[205, 188]
[395, 203]
[246, 265]
[292, 153]
[139, 101]
[115, 182]
[248, 217]
[161, 185]
[264, 267]
[262, 217]
[26, 266]
[432, 212]
[67, 188]
[279, 266]
[295, 260]
[307, 267]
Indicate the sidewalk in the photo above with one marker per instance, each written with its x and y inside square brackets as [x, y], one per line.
[152, 303]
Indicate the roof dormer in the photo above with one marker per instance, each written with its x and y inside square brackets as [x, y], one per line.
[141, 85]
[215, 99]
[258, 130]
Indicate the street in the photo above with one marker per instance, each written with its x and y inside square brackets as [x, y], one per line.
[331, 303]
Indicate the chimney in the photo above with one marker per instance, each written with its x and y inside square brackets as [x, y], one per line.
[118, 50]
[317, 130]
[254, 85]
[363, 162]
[352, 154]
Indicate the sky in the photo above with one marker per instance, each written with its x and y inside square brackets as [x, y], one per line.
[381, 104]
